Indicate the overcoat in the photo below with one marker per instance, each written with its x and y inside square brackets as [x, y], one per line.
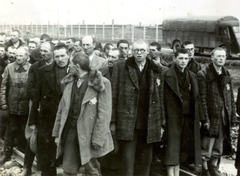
[125, 88]
[14, 89]
[174, 116]
[211, 100]
[237, 161]
[98, 62]
[94, 118]
[48, 98]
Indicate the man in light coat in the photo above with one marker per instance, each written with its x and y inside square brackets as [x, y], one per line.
[88, 44]
[81, 128]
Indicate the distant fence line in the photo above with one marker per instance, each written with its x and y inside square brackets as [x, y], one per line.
[102, 32]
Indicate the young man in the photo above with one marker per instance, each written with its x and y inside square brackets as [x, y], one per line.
[216, 92]
[182, 114]
[81, 128]
[49, 91]
[155, 53]
[137, 122]
[123, 45]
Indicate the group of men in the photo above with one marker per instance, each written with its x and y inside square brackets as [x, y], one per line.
[89, 106]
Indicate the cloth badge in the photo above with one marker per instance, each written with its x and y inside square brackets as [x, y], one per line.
[158, 81]
[93, 101]
[228, 87]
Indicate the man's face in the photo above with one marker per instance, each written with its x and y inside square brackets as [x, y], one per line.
[11, 53]
[113, 56]
[190, 49]
[181, 60]
[88, 45]
[140, 51]
[70, 44]
[46, 52]
[14, 36]
[219, 57]
[2, 39]
[77, 47]
[2, 52]
[154, 52]
[61, 57]
[124, 49]
[21, 56]
[32, 46]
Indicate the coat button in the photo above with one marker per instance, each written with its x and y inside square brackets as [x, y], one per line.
[130, 101]
[133, 87]
[153, 102]
[128, 112]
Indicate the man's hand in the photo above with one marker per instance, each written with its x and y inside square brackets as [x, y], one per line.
[112, 128]
[56, 140]
[33, 127]
[4, 107]
[206, 125]
[95, 146]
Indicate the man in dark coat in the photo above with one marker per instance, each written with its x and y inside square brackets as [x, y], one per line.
[216, 91]
[193, 65]
[14, 41]
[182, 114]
[47, 59]
[49, 92]
[138, 111]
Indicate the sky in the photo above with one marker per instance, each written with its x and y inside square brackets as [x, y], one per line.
[148, 12]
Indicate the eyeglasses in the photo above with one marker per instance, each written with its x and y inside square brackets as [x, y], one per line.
[137, 50]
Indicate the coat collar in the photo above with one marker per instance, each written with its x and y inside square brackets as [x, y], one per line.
[130, 62]
[212, 74]
[95, 80]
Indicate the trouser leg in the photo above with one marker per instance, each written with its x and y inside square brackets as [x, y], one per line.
[29, 157]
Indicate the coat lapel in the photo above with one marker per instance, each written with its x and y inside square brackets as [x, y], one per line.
[50, 76]
[90, 94]
[133, 76]
[95, 62]
[171, 80]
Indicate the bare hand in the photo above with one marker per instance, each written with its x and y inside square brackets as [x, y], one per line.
[4, 107]
[206, 125]
[95, 146]
[112, 128]
[33, 127]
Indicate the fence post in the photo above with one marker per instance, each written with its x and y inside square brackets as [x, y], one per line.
[36, 29]
[53, 29]
[48, 28]
[86, 29]
[122, 31]
[71, 31]
[156, 33]
[132, 33]
[103, 31]
[95, 30]
[144, 32]
[41, 29]
[79, 30]
[112, 29]
[65, 31]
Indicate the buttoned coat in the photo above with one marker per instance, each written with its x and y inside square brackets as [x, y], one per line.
[174, 116]
[14, 89]
[47, 98]
[125, 88]
[211, 100]
[94, 118]
[98, 62]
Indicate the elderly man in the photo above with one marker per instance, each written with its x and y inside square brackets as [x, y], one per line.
[49, 91]
[88, 44]
[14, 98]
[216, 93]
[138, 114]
[82, 133]
[14, 41]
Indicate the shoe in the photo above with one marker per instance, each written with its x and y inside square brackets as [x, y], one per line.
[214, 171]
[5, 159]
[26, 172]
[205, 172]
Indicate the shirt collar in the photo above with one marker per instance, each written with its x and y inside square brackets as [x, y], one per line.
[141, 64]
[219, 71]
[16, 44]
[48, 63]
[17, 66]
[91, 57]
